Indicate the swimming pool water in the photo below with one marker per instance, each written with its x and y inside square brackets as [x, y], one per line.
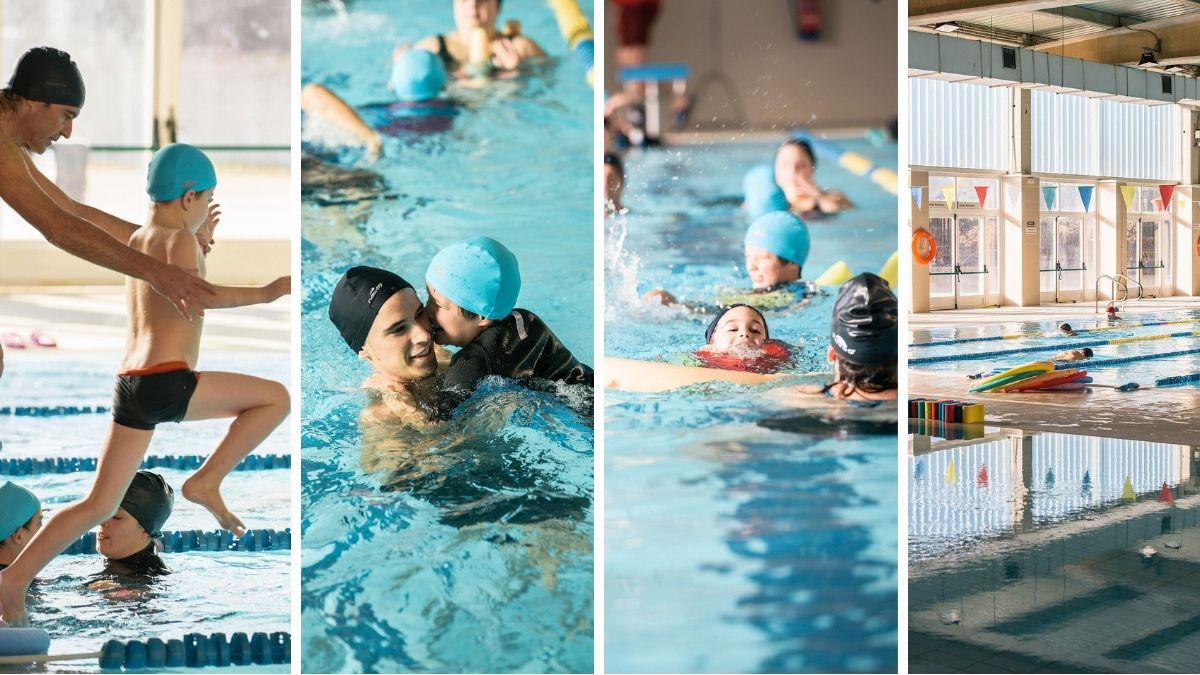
[1046, 334]
[468, 548]
[206, 592]
[1032, 546]
[731, 546]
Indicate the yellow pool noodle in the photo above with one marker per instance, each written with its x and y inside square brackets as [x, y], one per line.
[837, 274]
[854, 163]
[886, 179]
[891, 271]
[572, 23]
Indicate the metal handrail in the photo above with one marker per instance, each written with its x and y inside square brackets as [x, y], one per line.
[1123, 281]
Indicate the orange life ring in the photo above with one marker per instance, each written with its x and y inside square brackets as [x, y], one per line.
[923, 241]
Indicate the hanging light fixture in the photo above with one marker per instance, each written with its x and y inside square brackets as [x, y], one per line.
[1149, 54]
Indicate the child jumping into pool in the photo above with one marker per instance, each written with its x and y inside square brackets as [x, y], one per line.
[776, 248]
[473, 287]
[158, 382]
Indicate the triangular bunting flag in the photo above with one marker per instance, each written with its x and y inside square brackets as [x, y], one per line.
[916, 194]
[983, 477]
[1165, 494]
[1087, 481]
[981, 192]
[919, 470]
[1127, 491]
[948, 195]
[1048, 194]
[1049, 477]
[951, 474]
[1085, 196]
[1128, 191]
[1165, 191]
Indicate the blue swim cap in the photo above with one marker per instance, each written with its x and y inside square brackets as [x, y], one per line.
[17, 506]
[479, 274]
[177, 168]
[417, 75]
[762, 193]
[781, 233]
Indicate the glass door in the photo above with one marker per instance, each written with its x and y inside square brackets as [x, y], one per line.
[1146, 254]
[963, 273]
[943, 285]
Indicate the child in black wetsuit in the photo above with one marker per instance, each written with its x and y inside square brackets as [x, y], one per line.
[473, 287]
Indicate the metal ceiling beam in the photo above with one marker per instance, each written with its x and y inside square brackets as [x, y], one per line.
[1096, 18]
[926, 12]
[1179, 41]
[1155, 26]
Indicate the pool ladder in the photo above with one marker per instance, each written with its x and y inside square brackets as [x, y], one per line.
[1117, 280]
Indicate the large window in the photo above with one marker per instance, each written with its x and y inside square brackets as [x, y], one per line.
[1095, 137]
[961, 126]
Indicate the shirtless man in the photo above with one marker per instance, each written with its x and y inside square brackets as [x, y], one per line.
[39, 105]
[384, 322]
[158, 382]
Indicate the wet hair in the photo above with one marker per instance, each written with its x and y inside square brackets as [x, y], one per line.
[803, 145]
[870, 379]
[613, 160]
[468, 314]
[9, 101]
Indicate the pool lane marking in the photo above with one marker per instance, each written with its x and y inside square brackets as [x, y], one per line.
[1031, 336]
[946, 358]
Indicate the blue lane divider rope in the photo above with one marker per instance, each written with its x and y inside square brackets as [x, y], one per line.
[1177, 379]
[52, 410]
[26, 466]
[975, 356]
[198, 540]
[196, 650]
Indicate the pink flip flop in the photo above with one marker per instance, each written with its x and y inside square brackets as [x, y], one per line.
[12, 341]
[42, 339]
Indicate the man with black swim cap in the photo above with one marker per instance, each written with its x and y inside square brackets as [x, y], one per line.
[384, 322]
[37, 107]
[864, 340]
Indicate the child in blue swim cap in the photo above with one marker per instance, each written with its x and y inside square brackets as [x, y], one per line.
[473, 287]
[20, 519]
[776, 249]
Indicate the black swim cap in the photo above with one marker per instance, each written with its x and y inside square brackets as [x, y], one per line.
[614, 160]
[48, 75]
[149, 500]
[865, 321]
[356, 301]
[1087, 351]
[712, 325]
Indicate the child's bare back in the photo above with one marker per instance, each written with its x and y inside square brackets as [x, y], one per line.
[157, 332]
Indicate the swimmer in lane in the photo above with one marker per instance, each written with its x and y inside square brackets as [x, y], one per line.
[417, 79]
[475, 47]
[1074, 355]
[20, 519]
[158, 382]
[738, 338]
[383, 321]
[129, 539]
[776, 248]
[863, 342]
[795, 165]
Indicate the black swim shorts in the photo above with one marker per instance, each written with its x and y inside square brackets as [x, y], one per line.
[146, 397]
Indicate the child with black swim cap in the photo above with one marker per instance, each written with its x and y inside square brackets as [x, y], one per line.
[864, 340]
[158, 382]
[473, 287]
